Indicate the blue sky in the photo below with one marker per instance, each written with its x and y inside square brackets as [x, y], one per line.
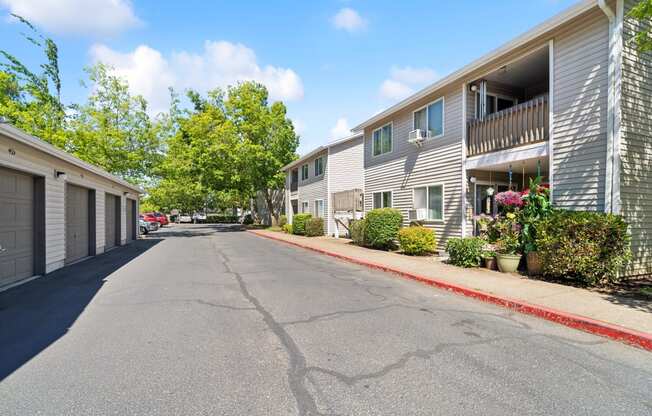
[335, 63]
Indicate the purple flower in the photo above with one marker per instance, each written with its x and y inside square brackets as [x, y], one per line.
[509, 198]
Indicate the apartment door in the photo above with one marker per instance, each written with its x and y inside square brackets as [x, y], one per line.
[484, 200]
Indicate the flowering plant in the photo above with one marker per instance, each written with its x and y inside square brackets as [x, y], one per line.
[509, 230]
[509, 199]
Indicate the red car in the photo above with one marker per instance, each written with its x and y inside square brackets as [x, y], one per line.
[156, 217]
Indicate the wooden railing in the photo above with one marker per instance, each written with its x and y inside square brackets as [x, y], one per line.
[525, 123]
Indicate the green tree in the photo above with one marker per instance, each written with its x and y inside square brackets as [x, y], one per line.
[643, 13]
[113, 130]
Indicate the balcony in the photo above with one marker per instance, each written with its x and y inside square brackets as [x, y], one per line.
[522, 124]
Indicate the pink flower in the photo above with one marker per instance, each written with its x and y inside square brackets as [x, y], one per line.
[509, 198]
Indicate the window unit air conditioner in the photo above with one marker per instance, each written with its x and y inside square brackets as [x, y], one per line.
[418, 136]
[418, 214]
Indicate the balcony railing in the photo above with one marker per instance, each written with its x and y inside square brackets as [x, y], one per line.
[523, 124]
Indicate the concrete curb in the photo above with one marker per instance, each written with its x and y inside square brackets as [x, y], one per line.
[615, 332]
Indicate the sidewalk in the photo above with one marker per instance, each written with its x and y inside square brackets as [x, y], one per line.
[594, 312]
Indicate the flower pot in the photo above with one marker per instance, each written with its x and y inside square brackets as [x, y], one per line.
[533, 263]
[508, 263]
[490, 263]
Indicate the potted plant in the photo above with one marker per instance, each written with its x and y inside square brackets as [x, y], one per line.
[489, 258]
[508, 244]
[536, 207]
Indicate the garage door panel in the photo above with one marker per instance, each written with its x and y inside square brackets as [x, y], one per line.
[77, 223]
[110, 220]
[16, 226]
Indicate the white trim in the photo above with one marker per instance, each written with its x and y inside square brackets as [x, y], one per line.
[391, 143]
[551, 116]
[305, 201]
[323, 168]
[391, 197]
[537, 150]
[608, 181]
[536, 32]
[443, 118]
[464, 139]
[319, 149]
[323, 207]
[443, 204]
[38, 144]
[616, 202]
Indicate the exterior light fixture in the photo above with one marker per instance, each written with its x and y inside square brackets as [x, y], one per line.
[472, 179]
[60, 175]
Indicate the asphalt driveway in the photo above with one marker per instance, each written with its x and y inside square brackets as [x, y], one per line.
[207, 320]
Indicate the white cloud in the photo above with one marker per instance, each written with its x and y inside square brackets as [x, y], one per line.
[94, 17]
[299, 126]
[349, 20]
[341, 128]
[221, 63]
[403, 81]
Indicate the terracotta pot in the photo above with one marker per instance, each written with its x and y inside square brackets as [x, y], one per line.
[533, 263]
[508, 263]
[490, 263]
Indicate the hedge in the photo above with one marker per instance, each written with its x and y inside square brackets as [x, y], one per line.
[287, 228]
[220, 219]
[282, 221]
[357, 230]
[314, 227]
[381, 228]
[417, 241]
[299, 223]
[465, 252]
[591, 247]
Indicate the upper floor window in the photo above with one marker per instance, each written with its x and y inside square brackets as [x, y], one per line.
[382, 140]
[431, 118]
[319, 166]
[304, 172]
[430, 199]
[382, 199]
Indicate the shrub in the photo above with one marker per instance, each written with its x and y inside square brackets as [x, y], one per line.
[299, 223]
[591, 247]
[465, 252]
[282, 220]
[357, 231]
[248, 219]
[314, 227]
[417, 241]
[221, 219]
[287, 228]
[509, 238]
[381, 228]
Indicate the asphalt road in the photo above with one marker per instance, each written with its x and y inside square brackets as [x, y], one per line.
[202, 321]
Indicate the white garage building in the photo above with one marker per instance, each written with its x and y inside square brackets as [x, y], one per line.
[56, 209]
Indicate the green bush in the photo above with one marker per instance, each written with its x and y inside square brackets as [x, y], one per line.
[417, 241]
[591, 247]
[382, 226]
[248, 219]
[282, 220]
[299, 223]
[465, 252]
[287, 228]
[220, 219]
[357, 230]
[314, 227]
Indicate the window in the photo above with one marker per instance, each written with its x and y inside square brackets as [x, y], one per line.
[305, 207]
[382, 140]
[319, 208]
[383, 199]
[319, 166]
[431, 118]
[493, 104]
[304, 172]
[430, 198]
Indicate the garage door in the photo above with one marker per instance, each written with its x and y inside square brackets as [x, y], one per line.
[77, 223]
[131, 218]
[16, 226]
[110, 220]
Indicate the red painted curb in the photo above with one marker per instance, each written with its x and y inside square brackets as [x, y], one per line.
[615, 332]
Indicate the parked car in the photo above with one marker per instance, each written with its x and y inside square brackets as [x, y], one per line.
[149, 217]
[198, 217]
[185, 218]
[147, 226]
[162, 218]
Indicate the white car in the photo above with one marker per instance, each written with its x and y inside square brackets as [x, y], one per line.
[199, 216]
[185, 218]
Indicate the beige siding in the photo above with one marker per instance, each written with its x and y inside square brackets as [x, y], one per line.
[315, 187]
[345, 171]
[439, 161]
[37, 163]
[636, 147]
[580, 113]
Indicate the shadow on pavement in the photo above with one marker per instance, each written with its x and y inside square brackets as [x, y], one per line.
[38, 313]
[195, 230]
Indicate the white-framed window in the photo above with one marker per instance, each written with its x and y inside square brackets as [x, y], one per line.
[430, 118]
[319, 166]
[319, 208]
[431, 199]
[382, 199]
[381, 140]
[304, 172]
[305, 207]
[494, 103]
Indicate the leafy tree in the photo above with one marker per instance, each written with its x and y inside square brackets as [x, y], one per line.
[643, 13]
[113, 130]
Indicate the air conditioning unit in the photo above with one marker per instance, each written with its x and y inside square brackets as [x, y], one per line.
[418, 136]
[419, 214]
